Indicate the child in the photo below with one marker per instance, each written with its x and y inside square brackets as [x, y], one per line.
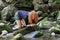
[31, 18]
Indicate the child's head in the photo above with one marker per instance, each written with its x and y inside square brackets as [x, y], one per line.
[33, 16]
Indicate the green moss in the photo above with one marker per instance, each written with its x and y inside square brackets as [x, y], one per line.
[17, 37]
[4, 26]
[39, 34]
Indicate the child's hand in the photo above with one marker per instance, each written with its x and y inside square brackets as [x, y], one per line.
[31, 25]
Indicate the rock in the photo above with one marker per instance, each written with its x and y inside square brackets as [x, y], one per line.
[24, 5]
[31, 35]
[42, 7]
[53, 34]
[58, 39]
[50, 0]
[58, 22]
[34, 34]
[9, 35]
[37, 2]
[4, 32]
[1, 3]
[8, 12]
[58, 18]
[55, 30]
[17, 37]
[44, 23]
[8, 0]
[53, 16]
[1, 24]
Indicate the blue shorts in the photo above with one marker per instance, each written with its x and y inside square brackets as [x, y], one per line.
[21, 14]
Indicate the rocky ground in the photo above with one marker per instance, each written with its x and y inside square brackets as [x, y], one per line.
[49, 9]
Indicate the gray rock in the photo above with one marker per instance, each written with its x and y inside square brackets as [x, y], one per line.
[31, 35]
[8, 0]
[1, 3]
[8, 11]
[37, 2]
[4, 32]
[9, 35]
[58, 39]
[58, 16]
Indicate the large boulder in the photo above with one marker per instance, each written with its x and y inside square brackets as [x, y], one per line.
[8, 12]
[2, 5]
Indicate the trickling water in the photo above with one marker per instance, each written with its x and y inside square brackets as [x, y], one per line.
[31, 35]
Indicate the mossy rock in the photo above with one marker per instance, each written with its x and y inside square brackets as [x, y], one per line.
[24, 31]
[4, 26]
[17, 37]
[58, 22]
[55, 30]
[39, 34]
[58, 27]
